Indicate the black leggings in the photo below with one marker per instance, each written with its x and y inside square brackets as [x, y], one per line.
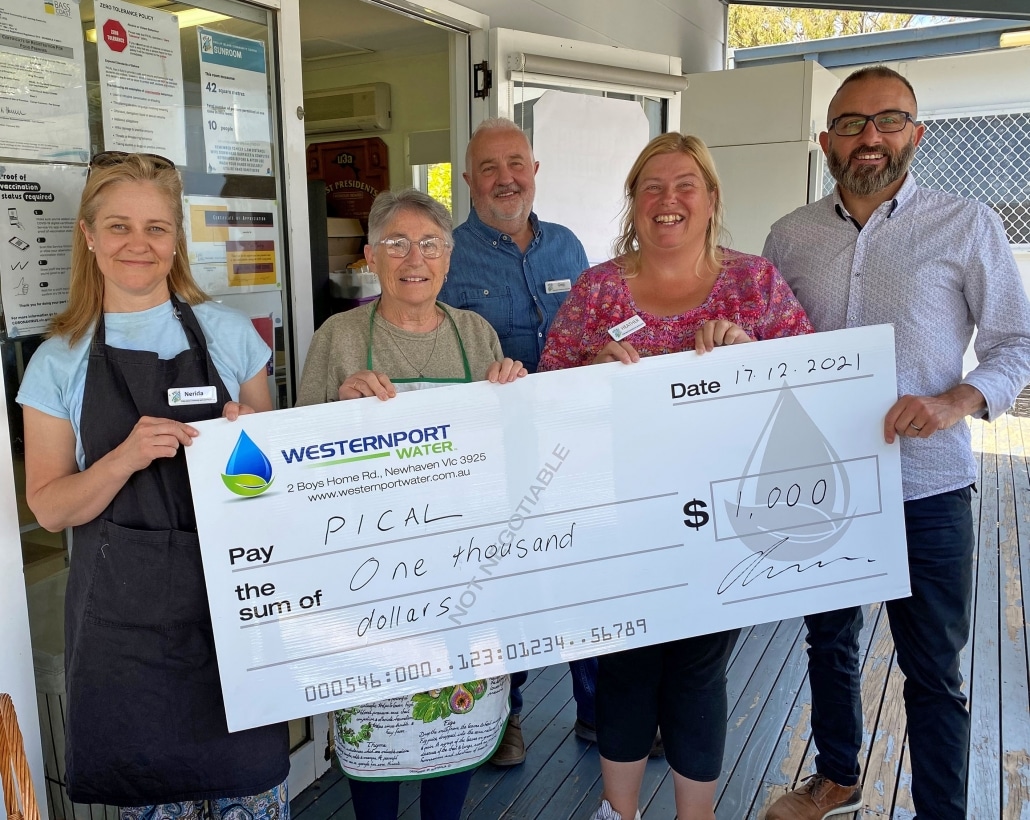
[679, 687]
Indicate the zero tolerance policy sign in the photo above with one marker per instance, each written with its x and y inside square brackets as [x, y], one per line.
[363, 550]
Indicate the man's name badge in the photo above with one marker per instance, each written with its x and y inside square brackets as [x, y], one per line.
[558, 286]
[192, 395]
[624, 329]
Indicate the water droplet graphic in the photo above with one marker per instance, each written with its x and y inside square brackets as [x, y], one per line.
[794, 487]
[248, 458]
[248, 471]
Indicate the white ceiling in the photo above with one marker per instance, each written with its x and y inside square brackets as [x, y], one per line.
[333, 28]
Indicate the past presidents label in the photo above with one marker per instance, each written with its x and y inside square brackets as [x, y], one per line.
[365, 550]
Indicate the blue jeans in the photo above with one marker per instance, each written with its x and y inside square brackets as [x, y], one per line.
[584, 685]
[440, 798]
[930, 628]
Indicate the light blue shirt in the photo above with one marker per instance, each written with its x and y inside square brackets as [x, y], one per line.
[56, 375]
[517, 293]
[933, 265]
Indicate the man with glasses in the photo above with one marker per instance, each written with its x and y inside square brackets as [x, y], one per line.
[515, 271]
[882, 249]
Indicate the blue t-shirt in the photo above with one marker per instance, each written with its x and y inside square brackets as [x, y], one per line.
[517, 293]
[56, 375]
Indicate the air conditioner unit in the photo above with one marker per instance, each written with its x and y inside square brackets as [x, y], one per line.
[358, 108]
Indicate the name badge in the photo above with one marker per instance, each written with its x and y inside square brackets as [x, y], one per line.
[558, 286]
[192, 395]
[624, 329]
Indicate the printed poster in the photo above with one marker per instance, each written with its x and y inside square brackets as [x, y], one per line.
[234, 91]
[43, 82]
[38, 221]
[233, 243]
[141, 80]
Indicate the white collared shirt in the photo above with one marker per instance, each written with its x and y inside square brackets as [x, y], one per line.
[934, 265]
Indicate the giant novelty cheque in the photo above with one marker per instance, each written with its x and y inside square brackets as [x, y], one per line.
[414, 550]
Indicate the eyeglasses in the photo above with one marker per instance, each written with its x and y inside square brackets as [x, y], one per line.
[108, 159]
[886, 122]
[432, 247]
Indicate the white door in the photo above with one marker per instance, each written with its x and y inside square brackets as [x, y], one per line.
[588, 110]
[32, 561]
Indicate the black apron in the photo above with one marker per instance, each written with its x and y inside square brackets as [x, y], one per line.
[146, 722]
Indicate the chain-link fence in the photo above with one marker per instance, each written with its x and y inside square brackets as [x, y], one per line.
[983, 157]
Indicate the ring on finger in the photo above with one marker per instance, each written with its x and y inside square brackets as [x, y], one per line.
[915, 427]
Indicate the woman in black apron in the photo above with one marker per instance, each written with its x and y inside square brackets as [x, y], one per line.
[146, 725]
[406, 340]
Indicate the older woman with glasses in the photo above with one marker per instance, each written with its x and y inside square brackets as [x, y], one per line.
[104, 443]
[406, 340]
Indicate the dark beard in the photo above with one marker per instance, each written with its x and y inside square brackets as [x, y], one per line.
[865, 180]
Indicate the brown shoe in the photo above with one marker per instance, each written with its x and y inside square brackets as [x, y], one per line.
[817, 799]
[512, 750]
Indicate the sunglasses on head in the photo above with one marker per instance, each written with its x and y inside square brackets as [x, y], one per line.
[107, 159]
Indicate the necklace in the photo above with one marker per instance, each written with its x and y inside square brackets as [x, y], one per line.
[419, 371]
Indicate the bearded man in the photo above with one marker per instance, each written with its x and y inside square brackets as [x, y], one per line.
[508, 266]
[882, 249]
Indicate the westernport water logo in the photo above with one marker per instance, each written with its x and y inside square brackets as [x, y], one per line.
[249, 472]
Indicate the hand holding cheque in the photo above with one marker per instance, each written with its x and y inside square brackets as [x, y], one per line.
[362, 550]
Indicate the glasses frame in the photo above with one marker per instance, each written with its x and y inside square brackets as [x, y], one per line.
[396, 242]
[109, 159]
[871, 118]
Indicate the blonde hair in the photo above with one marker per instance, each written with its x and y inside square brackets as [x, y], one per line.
[86, 290]
[627, 247]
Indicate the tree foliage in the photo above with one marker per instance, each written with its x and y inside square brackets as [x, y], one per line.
[768, 25]
[440, 183]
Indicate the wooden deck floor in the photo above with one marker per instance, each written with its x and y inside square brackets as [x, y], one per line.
[768, 737]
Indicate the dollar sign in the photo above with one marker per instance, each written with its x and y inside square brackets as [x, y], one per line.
[696, 511]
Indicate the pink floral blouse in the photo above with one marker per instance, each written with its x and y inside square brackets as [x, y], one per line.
[749, 292]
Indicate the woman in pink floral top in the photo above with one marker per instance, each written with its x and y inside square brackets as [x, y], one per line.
[749, 292]
[680, 291]
[692, 294]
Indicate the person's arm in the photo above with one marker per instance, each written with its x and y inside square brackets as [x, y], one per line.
[994, 292]
[582, 263]
[59, 495]
[783, 314]
[484, 345]
[922, 416]
[997, 300]
[312, 388]
[566, 340]
[769, 250]
[254, 398]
